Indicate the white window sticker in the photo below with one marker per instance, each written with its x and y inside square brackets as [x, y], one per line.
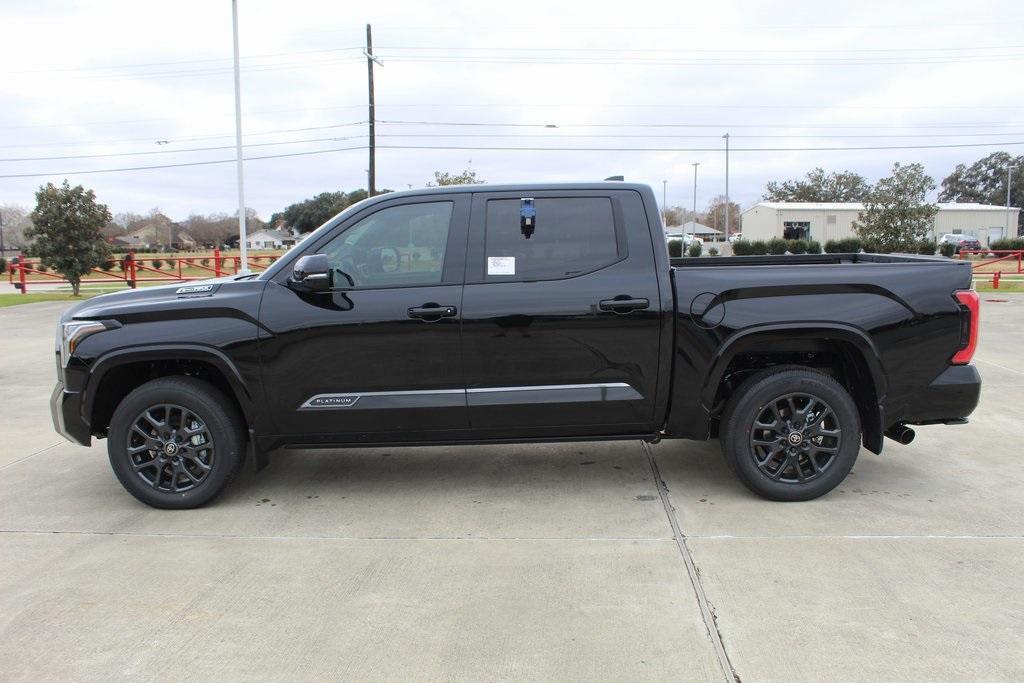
[501, 265]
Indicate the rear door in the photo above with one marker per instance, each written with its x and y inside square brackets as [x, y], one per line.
[560, 314]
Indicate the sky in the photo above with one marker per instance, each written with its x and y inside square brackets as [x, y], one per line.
[644, 90]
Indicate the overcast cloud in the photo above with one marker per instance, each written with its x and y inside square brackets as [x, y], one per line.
[119, 78]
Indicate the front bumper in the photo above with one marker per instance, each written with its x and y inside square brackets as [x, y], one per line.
[951, 397]
[66, 412]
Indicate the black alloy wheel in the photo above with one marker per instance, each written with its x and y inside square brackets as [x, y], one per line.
[790, 433]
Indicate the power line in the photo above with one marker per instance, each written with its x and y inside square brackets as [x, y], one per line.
[542, 136]
[520, 149]
[720, 125]
[194, 138]
[183, 164]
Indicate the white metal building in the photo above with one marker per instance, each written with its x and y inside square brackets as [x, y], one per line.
[834, 220]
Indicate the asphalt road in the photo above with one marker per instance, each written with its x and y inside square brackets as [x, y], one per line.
[538, 562]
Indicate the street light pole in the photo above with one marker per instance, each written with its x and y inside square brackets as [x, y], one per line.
[1009, 177]
[695, 165]
[726, 136]
[244, 265]
[664, 206]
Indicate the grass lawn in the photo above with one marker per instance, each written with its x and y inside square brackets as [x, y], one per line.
[17, 298]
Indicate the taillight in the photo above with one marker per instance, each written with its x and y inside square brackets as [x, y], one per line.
[968, 300]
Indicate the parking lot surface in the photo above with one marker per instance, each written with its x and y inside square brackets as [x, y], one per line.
[579, 561]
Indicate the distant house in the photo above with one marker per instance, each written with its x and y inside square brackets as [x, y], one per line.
[269, 239]
[691, 228]
[128, 242]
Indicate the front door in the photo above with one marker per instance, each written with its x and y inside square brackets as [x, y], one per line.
[376, 357]
[561, 329]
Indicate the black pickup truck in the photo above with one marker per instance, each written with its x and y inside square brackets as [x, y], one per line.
[495, 314]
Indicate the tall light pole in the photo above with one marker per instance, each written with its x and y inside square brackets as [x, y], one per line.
[238, 144]
[695, 165]
[726, 136]
[1009, 177]
[664, 206]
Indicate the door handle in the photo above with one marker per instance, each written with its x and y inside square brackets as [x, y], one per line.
[431, 312]
[624, 304]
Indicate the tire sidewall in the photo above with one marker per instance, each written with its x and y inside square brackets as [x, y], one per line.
[210, 405]
[751, 401]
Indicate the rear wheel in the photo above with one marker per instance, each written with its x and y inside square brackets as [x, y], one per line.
[791, 433]
[175, 442]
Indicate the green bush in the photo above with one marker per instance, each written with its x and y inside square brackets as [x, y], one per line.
[796, 246]
[948, 249]
[741, 248]
[206, 262]
[675, 247]
[713, 251]
[695, 249]
[758, 248]
[109, 264]
[872, 247]
[926, 248]
[1007, 243]
[777, 246]
[849, 245]
[3, 265]
[813, 247]
[158, 264]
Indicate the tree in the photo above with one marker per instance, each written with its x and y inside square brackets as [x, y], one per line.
[467, 177]
[309, 214]
[896, 215]
[66, 228]
[15, 222]
[715, 215]
[984, 181]
[820, 186]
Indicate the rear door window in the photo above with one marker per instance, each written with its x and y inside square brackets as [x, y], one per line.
[566, 237]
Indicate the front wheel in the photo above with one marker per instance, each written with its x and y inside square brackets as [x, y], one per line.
[175, 442]
[791, 433]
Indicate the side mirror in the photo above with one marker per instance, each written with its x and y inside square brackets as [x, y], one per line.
[312, 273]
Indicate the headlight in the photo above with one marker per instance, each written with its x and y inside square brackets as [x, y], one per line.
[70, 335]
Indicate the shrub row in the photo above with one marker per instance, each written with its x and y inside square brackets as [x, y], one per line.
[1008, 243]
[775, 246]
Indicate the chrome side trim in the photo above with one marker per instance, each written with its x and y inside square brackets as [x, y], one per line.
[384, 400]
[484, 396]
[552, 393]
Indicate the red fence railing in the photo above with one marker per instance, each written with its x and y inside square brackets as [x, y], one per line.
[135, 269]
[1011, 260]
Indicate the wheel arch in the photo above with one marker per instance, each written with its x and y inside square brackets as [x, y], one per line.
[848, 351]
[116, 374]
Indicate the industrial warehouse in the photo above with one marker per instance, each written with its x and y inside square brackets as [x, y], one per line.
[826, 221]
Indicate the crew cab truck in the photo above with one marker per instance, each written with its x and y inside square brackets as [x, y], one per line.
[518, 313]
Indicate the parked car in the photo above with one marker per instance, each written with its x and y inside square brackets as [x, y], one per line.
[518, 313]
[960, 241]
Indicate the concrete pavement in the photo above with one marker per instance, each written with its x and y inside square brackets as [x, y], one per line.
[540, 562]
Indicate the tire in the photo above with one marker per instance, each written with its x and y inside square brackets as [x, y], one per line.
[204, 427]
[762, 417]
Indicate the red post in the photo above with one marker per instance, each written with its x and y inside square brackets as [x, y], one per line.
[995, 279]
[216, 262]
[21, 273]
[131, 274]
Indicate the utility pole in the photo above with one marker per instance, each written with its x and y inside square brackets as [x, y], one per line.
[726, 136]
[370, 59]
[695, 165]
[1009, 177]
[238, 145]
[664, 206]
